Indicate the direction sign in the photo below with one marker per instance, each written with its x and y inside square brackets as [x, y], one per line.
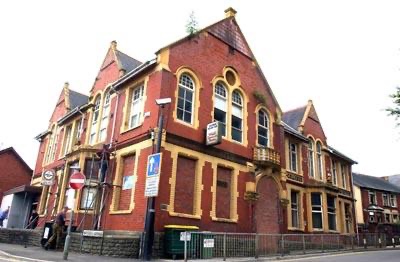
[48, 178]
[153, 175]
[77, 180]
[153, 164]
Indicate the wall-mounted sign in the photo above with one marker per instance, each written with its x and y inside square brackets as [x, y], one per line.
[213, 133]
[127, 183]
[48, 178]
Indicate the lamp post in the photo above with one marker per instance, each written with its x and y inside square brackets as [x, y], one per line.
[150, 213]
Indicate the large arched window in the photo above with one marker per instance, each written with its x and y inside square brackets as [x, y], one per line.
[136, 110]
[220, 105]
[104, 117]
[237, 116]
[319, 161]
[263, 128]
[311, 171]
[95, 118]
[185, 98]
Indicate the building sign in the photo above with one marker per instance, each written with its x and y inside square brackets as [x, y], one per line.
[48, 178]
[213, 133]
[153, 175]
[208, 242]
[127, 183]
[93, 233]
[185, 236]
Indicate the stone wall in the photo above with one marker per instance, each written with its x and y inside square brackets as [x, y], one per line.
[113, 243]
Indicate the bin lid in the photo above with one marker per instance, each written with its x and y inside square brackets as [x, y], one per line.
[181, 227]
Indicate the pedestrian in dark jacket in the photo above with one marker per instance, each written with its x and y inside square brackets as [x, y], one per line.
[58, 228]
[33, 220]
[4, 215]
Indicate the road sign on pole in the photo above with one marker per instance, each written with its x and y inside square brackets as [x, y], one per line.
[77, 180]
[153, 175]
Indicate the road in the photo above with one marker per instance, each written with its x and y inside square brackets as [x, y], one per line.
[370, 256]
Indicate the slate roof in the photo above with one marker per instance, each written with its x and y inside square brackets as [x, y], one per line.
[293, 117]
[294, 132]
[338, 154]
[374, 183]
[77, 99]
[127, 63]
[395, 179]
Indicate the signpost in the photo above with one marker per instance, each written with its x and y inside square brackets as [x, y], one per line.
[48, 178]
[76, 181]
[153, 175]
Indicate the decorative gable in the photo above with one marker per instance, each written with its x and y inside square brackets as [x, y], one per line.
[313, 114]
[229, 32]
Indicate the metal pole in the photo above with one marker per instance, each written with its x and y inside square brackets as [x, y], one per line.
[150, 214]
[68, 238]
[185, 249]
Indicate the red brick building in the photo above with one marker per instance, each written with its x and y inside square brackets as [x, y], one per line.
[242, 184]
[377, 206]
[14, 171]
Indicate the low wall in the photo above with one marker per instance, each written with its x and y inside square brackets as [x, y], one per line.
[113, 243]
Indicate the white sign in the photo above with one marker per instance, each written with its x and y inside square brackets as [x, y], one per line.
[46, 233]
[93, 233]
[213, 134]
[151, 189]
[48, 178]
[188, 236]
[208, 242]
[153, 175]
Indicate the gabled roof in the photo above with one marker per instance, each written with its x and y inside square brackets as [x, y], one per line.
[294, 117]
[126, 62]
[394, 179]
[288, 129]
[228, 31]
[19, 158]
[77, 99]
[374, 183]
[340, 155]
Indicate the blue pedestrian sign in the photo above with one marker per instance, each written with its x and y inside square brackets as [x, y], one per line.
[154, 164]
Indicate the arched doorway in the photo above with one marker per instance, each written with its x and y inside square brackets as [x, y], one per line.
[268, 210]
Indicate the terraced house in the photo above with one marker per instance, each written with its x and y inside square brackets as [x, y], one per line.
[264, 171]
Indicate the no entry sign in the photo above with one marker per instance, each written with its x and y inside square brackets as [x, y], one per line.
[77, 180]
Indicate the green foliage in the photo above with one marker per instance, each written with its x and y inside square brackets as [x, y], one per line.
[395, 111]
[191, 26]
[260, 97]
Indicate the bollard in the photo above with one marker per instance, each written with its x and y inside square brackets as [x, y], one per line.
[304, 244]
[68, 238]
[365, 243]
[224, 246]
[380, 242]
[394, 243]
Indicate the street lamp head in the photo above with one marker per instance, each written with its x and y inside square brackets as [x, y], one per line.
[163, 101]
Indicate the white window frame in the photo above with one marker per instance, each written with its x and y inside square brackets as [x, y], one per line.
[295, 207]
[105, 116]
[310, 149]
[334, 172]
[320, 211]
[136, 107]
[293, 157]
[343, 169]
[385, 199]
[95, 119]
[372, 193]
[187, 87]
[221, 100]
[320, 165]
[237, 104]
[264, 126]
[67, 140]
[331, 211]
[393, 200]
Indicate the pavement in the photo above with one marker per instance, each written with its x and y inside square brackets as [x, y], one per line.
[12, 252]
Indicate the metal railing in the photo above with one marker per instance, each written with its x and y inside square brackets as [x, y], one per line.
[206, 245]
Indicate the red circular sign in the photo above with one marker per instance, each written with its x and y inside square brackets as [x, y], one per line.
[77, 180]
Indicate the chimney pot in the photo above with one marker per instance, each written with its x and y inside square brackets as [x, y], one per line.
[114, 45]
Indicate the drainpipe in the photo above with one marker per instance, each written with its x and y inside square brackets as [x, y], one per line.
[354, 203]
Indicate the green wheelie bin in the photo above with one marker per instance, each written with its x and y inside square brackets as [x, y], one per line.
[173, 243]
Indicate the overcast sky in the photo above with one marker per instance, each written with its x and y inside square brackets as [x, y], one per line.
[344, 55]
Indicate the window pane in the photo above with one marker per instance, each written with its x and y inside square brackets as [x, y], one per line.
[315, 199]
[262, 141]
[236, 135]
[317, 220]
[187, 117]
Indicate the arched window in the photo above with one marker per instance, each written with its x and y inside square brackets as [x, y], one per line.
[319, 161]
[237, 116]
[311, 171]
[185, 98]
[136, 110]
[104, 117]
[95, 118]
[220, 105]
[263, 128]
[50, 146]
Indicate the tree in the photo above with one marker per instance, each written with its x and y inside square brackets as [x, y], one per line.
[191, 26]
[395, 111]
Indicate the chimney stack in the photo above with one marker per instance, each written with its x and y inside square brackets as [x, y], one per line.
[114, 45]
[230, 12]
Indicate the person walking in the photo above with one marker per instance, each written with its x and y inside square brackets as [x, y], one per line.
[58, 228]
[4, 216]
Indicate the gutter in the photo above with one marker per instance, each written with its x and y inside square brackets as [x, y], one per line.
[132, 73]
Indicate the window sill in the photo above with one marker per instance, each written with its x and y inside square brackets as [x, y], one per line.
[226, 220]
[131, 128]
[174, 214]
[295, 229]
[185, 123]
[120, 212]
